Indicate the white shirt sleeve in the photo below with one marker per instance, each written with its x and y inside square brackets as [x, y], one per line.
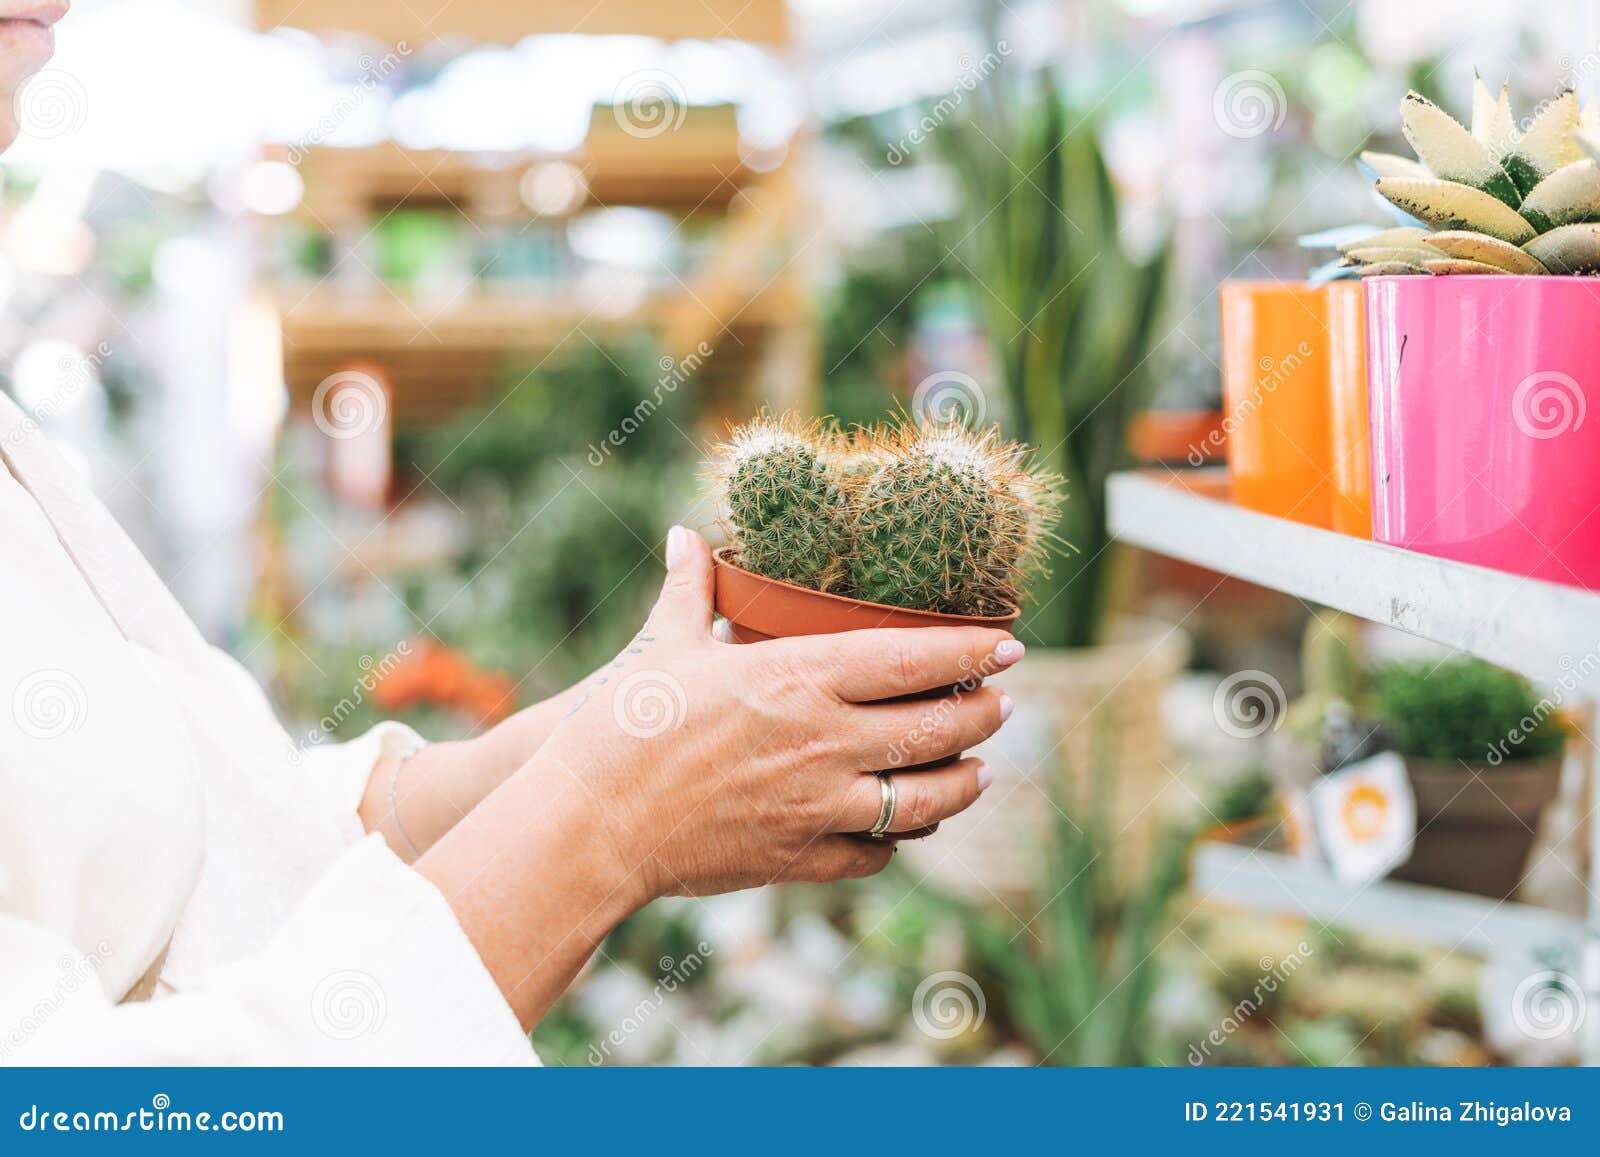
[370, 968]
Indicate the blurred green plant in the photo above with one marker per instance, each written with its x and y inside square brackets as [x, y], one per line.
[1077, 982]
[1462, 709]
[1072, 316]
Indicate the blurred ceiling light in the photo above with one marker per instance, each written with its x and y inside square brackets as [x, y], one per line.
[625, 238]
[271, 188]
[553, 188]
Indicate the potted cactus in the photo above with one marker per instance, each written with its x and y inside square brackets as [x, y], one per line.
[898, 525]
[1482, 337]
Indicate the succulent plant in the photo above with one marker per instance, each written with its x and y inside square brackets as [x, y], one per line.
[935, 518]
[783, 495]
[1485, 200]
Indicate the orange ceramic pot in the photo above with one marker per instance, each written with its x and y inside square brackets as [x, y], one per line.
[1347, 405]
[1275, 398]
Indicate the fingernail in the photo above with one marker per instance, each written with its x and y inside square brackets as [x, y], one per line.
[985, 776]
[1009, 652]
[1007, 706]
[677, 543]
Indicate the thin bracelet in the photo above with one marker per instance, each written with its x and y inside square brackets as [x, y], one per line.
[394, 805]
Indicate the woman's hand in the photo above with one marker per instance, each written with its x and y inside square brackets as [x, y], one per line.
[713, 766]
[694, 766]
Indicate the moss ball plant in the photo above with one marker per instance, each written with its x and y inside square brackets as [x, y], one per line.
[1464, 709]
[932, 518]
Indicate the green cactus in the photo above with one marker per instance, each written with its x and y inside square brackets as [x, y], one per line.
[937, 519]
[789, 513]
[944, 524]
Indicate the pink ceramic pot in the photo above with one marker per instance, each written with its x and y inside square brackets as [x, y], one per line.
[1483, 447]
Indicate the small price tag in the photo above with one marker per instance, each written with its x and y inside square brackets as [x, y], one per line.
[1365, 817]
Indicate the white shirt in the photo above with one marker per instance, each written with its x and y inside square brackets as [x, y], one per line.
[179, 884]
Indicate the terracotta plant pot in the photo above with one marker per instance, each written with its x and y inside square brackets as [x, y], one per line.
[1483, 449]
[1474, 832]
[759, 608]
[1347, 409]
[1275, 398]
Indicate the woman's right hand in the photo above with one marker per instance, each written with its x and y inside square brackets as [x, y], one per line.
[714, 766]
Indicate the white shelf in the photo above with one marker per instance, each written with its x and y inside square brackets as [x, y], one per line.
[1538, 628]
[1455, 921]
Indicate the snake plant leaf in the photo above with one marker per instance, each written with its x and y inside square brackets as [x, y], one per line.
[1451, 205]
[1567, 196]
[1492, 123]
[1549, 143]
[1392, 165]
[1457, 266]
[1378, 254]
[1569, 249]
[1475, 247]
[1405, 236]
[1451, 152]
